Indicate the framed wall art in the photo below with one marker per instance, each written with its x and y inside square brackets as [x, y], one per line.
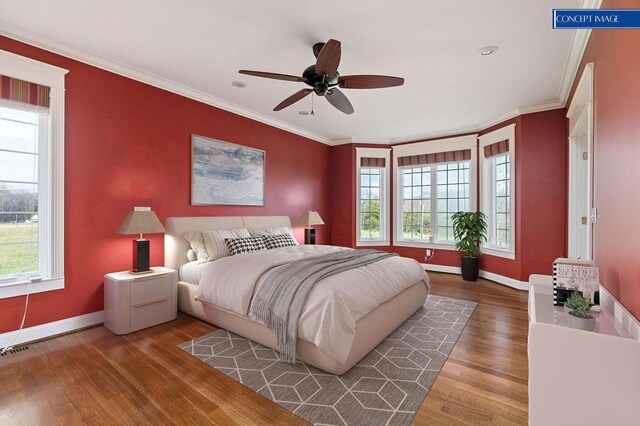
[224, 173]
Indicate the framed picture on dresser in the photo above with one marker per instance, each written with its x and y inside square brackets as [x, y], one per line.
[224, 173]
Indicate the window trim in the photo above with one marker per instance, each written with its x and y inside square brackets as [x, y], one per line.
[384, 195]
[504, 133]
[16, 66]
[430, 147]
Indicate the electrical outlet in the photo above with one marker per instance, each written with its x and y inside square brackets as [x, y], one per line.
[428, 254]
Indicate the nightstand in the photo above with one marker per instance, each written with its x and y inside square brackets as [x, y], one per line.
[133, 302]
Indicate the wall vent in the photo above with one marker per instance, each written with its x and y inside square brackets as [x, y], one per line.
[14, 351]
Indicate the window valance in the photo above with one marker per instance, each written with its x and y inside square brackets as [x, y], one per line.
[497, 148]
[23, 91]
[434, 158]
[372, 162]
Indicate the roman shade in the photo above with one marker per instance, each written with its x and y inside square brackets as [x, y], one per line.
[497, 148]
[434, 158]
[372, 162]
[23, 91]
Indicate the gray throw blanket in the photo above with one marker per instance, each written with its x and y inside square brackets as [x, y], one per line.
[283, 294]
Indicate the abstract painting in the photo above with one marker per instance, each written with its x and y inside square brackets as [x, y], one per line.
[223, 173]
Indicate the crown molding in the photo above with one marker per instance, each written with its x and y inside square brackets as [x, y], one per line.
[115, 67]
[576, 52]
[373, 141]
[546, 106]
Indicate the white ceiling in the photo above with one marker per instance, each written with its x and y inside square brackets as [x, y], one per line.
[196, 47]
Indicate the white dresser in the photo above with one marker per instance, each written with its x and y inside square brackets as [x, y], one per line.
[133, 302]
[579, 377]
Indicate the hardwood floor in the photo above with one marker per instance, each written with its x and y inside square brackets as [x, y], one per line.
[96, 377]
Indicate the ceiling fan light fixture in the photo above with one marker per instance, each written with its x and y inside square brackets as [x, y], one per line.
[488, 50]
[323, 79]
[238, 84]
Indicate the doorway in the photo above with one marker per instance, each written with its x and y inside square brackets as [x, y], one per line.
[580, 219]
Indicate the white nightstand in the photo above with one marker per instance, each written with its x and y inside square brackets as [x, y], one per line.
[133, 302]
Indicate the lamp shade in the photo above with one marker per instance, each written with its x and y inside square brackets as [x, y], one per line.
[141, 222]
[310, 218]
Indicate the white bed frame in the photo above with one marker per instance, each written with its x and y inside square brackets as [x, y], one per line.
[370, 329]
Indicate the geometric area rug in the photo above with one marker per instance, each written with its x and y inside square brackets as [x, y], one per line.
[387, 387]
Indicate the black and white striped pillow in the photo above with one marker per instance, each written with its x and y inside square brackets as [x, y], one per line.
[245, 245]
[277, 241]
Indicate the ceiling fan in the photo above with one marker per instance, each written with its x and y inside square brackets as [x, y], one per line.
[324, 79]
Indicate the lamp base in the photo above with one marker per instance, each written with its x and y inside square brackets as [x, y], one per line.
[141, 257]
[140, 272]
[309, 236]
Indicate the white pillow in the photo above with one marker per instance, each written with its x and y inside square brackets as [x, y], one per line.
[191, 255]
[210, 245]
[276, 230]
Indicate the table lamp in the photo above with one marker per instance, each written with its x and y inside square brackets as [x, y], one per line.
[308, 219]
[141, 221]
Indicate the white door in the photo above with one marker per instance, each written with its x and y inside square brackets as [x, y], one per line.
[580, 114]
[580, 189]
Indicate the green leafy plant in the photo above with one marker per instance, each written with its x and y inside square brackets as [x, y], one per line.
[578, 305]
[469, 230]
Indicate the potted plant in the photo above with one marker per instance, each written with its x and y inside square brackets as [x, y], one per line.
[469, 230]
[579, 316]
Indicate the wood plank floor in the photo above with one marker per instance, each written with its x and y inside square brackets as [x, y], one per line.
[96, 377]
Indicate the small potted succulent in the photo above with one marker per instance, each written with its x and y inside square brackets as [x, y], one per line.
[579, 316]
[469, 230]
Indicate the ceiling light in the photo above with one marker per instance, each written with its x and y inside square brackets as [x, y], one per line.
[237, 83]
[303, 112]
[488, 50]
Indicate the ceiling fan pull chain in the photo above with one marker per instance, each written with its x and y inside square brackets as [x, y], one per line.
[312, 113]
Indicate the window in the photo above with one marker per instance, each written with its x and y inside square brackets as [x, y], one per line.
[21, 134]
[500, 204]
[416, 203]
[31, 176]
[370, 203]
[498, 191]
[372, 193]
[453, 196]
[434, 181]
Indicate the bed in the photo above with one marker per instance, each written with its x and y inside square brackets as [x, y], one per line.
[370, 329]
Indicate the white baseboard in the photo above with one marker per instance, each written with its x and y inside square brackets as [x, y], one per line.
[500, 279]
[628, 321]
[51, 329]
[441, 268]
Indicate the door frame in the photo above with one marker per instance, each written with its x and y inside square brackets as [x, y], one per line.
[581, 110]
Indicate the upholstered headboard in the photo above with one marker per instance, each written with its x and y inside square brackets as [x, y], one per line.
[176, 247]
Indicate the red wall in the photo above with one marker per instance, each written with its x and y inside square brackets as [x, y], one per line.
[540, 200]
[129, 144]
[542, 222]
[616, 54]
[343, 195]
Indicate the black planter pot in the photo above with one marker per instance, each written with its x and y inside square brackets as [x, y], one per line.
[470, 268]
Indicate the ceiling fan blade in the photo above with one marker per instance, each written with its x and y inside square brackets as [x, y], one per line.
[340, 101]
[317, 48]
[329, 58]
[369, 81]
[273, 75]
[292, 99]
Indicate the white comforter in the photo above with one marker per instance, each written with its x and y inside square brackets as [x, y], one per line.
[334, 305]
